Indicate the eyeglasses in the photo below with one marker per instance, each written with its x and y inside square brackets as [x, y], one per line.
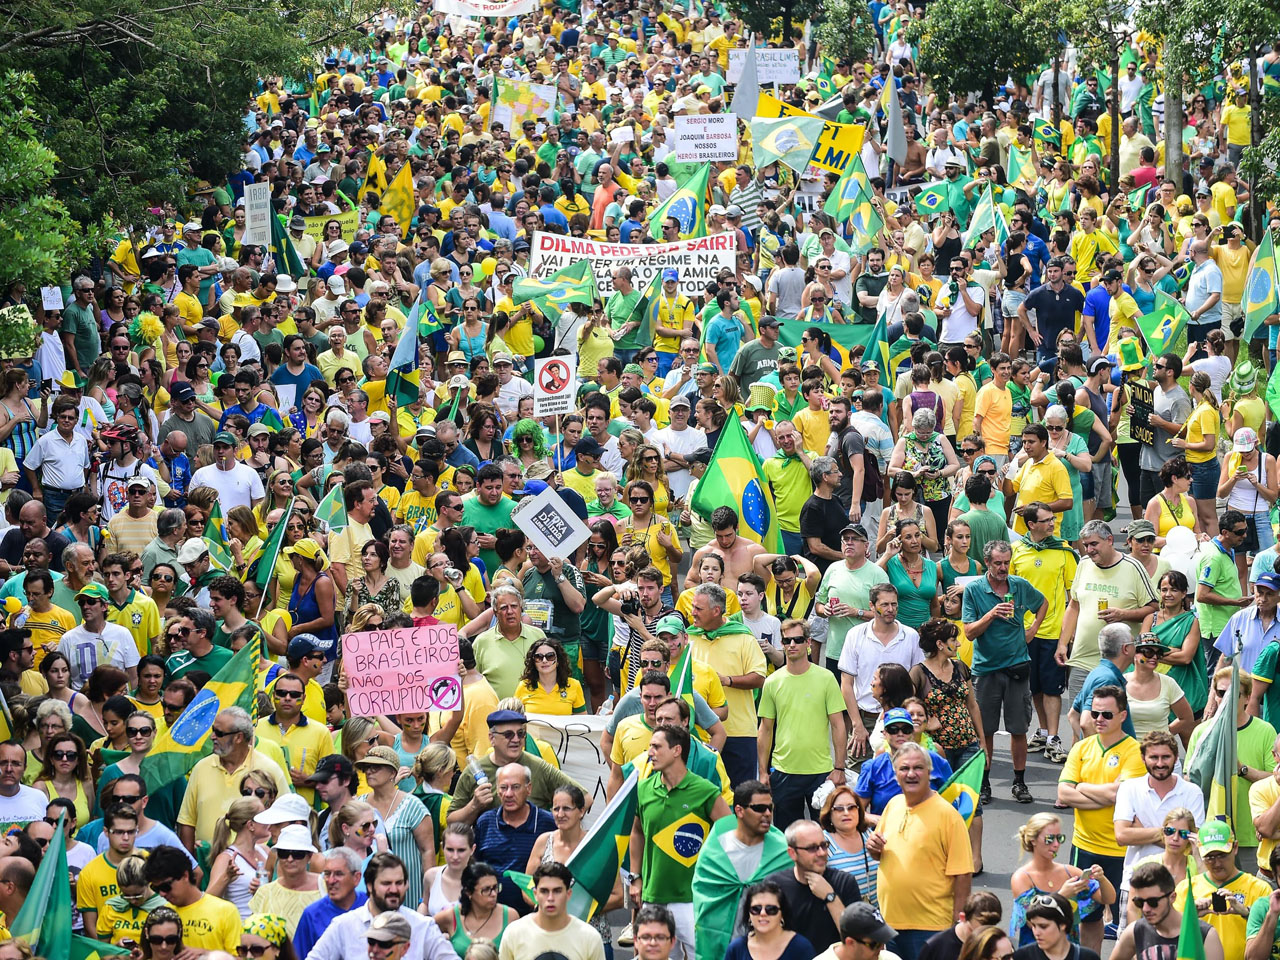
[219, 734]
[987, 473]
[381, 946]
[1054, 428]
[900, 728]
[811, 848]
[1170, 831]
[968, 451]
[794, 641]
[163, 887]
[1102, 714]
[1151, 902]
[638, 499]
[653, 664]
[653, 937]
[1239, 532]
[507, 734]
[163, 939]
[768, 909]
[287, 694]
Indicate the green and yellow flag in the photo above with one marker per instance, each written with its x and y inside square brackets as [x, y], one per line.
[1260, 292]
[1045, 132]
[215, 535]
[789, 140]
[282, 249]
[850, 202]
[931, 201]
[1022, 171]
[572, 284]
[1161, 327]
[986, 216]
[400, 199]
[603, 852]
[844, 338]
[332, 510]
[688, 205]
[187, 741]
[375, 177]
[265, 565]
[1190, 939]
[1215, 765]
[962, 790]
[736, 479]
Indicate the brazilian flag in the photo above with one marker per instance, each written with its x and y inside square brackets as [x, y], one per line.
[283, 250]
[1045, 132]
[961, 791]
[572, 284]
[187, 741]
[404, 382]
[1260, 297]
[850, 202]
[688, 205]
[215, 535]
[736, 479]
[931, 201]
[791, 140]
[844, 338]
[332, 510]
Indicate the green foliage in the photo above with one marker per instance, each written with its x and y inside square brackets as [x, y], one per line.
[38, 239]
[140, 99]
[1012, 40]
[846, 30]
[762, 16]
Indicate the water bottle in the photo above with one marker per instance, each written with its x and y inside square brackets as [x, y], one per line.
[263, 877]
[477, 771]
[606, 708]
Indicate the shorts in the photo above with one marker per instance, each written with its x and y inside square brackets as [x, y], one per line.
[1112, 868]
[592, 649]
[1102, 483]
[1000, 692]
[1204, 480]
[1011, 301]
[1048, 677]
[1231, 313]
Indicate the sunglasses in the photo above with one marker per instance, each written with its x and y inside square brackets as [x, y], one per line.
[1054, 838]
[66, 754]
[638, 499]
[257, 950]
[292, 854]
[1170, 831]
[139, 731]
[258, 792]
[163, 939]
[900, 728]
[545, 657]
[1102, 714]
[768, 909]
[759, 807]
[163, 887]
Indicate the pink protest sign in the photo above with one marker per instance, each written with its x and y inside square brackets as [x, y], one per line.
[407, 670]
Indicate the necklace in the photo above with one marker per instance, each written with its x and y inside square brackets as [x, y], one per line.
[479, 926]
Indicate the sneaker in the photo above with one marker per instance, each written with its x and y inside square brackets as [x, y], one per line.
[627, 937]
[1053, 751]
[1021, 793]
[984, 795]
[1037, 741]
[1111, 931]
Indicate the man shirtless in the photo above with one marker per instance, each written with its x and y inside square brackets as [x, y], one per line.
[738, 552]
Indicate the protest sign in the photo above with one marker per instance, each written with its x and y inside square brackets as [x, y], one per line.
[517, 102]
[405, 670]
[349, 219]
[622, 134]
[575, 741]
[838, 144]
[710, 136]
[257, 214]
[1142, 400]
[51, 298]
[550, 525]
[485, 8]
[555, 384]
[697, 261]
[772, 66]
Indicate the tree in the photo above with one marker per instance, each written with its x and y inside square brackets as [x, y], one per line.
[846, 31]
[140, 99]
[38, 239]
[762, 16]
[1100, 31]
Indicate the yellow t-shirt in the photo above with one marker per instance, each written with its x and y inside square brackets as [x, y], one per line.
[560, 702]
[47, 629]
[210, 924]
[1237, 121]
[1202, 423]
[1091, 762]
[995, 407]
[116, 925]
[1224, 200]
[917, 871]
[1085, 248]
[97, 882]
[630, 739]
[1234, 265]
[1244, 889]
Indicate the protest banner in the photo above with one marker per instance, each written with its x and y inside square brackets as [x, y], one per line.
[485, 8]
[703, 137]
[838, 145]
[575, 741]
[349, 219]
[1142, 399]
[550, 525]
[405, 670]
[772, 66]
[517, 102]
[257, 214]
[697, 261]
[555, 384]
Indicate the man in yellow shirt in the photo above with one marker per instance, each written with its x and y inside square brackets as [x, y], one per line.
[1227, 192]
[303, 740]
[1237, 120]
[1221, 878]
[1088, 242]
[97, 881]
[1232, 259]
[631, 738]
[208, 923]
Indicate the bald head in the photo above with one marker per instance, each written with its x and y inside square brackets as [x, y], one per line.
[19, 871]
[33, 519]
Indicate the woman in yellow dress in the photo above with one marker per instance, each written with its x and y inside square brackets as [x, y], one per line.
[1200, 443]
[65, 773]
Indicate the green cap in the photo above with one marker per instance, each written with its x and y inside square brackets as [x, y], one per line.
[94, 591]
[706, 368]
[225, 436]
[1216, 837]
[672, 623]
[634, 368]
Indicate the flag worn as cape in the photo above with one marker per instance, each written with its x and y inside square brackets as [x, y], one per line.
[736, 478]
[717, 889]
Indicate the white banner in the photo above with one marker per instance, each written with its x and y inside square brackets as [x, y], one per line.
[704, 137]
[257, 215]
[772, 66]
[485, 8]
[697, 261]
[575, 741]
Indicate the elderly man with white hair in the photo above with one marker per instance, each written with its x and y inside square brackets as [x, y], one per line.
[505, 836]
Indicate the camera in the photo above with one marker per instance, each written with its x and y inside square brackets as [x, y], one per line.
[630, 607]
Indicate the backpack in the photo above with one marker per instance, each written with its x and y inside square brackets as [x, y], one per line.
[872, 484]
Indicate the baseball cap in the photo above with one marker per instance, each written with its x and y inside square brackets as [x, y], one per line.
[859, 532]
[1097, 363]
[715, 210]
[672, 623]
[337, 285]
[331, 765]
[182, 391]
[505, 716]
[671, 273]
[897, 715]
[389, 927]
[768, 321]
[1139, 529]
[531, 488]
[1216, 837]
[862, 921]
[502, 358]
[1269, 580]
[1245, 440]
[288, 808]
[305, 644]
[706, 368]
[141, 480]
[588, 447]
[225, 436]
[1111, 276]
[680, 401]
[192, 550]
[93, 591]
[259, 430]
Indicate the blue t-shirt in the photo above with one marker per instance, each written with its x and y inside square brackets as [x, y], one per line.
[282, 377]
[878, 784]
[725, 334]
[1097, 304]
[1103, 674]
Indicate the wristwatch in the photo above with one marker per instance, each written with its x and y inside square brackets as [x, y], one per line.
[830, 897]
[561, 579]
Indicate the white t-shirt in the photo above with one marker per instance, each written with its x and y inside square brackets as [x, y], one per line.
[683, 442]
[26, 805]
[509, 394]
[844, 286]
[249, 351]
[1136, 800]
[766, 627]
[238, 487]
[960, 322]
[525, 940]
[87, 650]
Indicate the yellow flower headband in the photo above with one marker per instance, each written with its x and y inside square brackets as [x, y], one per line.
[269, 927]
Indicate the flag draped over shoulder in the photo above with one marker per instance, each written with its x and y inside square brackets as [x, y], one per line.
[844, 338]
[735, 478]
[602, 852]
[1022, 172]
[962, 789]
[1161, 327]
[688, 205]
[1215, 766]
[788, 140]
[187, 741]
[1260, 292]
[717, 888]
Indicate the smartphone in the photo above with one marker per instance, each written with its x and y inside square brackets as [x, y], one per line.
[1219, 902]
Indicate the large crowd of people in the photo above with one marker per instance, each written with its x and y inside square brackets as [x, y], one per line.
[1013, 507]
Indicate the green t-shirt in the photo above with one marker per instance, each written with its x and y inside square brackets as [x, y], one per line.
[488, 520]
[618, 310]
[800, 703]
[1257, 914]
[753, 362]
[1218, 573]
[853, 587]
[676, 824]
[985, 526]
[82, 324]
[1266, 667]
[182, 662]
[201, 258]
[791, 488]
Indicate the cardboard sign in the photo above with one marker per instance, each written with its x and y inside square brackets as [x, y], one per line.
[772, 66]
[703, 137]
[51, 298]
[698, 261]
[407, 670]
[257, 214]
[1141, 406]
[550, 525]
[555, 384]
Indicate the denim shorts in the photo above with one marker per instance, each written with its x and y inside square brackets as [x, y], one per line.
[1204, 480]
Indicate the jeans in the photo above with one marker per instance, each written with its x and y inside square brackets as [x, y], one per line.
[665, 360]
[792, 543]
[739, 756]
[791, 793]
[626, 356]
[909, 943]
